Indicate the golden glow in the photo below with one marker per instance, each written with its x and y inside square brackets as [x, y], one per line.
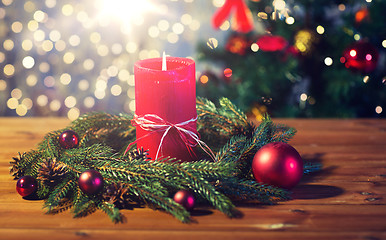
[127, 11]
[303, 97]
[21, 110]
[29, 6]
[328, 61]
[70, 101]
[212, 43]
[8, 44]
[279, 4]
[31, 80]
[40, 16]
[89, 102]
[28, 62]
[16, 93]
[83, 85]
[116, 90]
[27, 45]
[378, 109]
[17, 27]
[218, 3]
[47, 45]
[33, 25]
[9, 70]
[55, 105]
[67, 10]
[65, 78]
[204, 79]
[42, 100]
[320, 29]
[3, 85]
[186, 19]
[68, 58]
[88, 64]
[27, 102]
[73, 114]
[290, 20]
[12, 103]
[254, 47]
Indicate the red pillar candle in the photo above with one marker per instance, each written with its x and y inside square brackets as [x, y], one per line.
[170, 95]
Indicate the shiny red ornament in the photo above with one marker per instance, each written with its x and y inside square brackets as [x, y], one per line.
[69, 139]
[270, 43]
[278, 164]
[26, 185]
[91, 182]
[360, 56]
[185, 198]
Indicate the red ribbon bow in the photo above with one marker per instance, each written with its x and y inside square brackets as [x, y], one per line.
[243, 15]
[188, 134]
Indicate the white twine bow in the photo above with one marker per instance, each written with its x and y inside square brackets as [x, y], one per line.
[154, 123]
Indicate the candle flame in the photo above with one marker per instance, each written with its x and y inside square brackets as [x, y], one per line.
[164, 62]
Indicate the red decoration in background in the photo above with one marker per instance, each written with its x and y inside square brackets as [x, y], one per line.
[278, 164]
[360, 56]
[26, 185]
[270, 43]
[243, 15]
[361, 15]
[90, 182]
[68, 139]
[237, 44]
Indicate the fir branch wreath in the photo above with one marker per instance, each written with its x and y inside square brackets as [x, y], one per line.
[132, 180]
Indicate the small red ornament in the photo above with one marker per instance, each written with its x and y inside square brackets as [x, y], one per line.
[185, 198]
[360, 56]
[68, 139]
[26, 185]
[90, 182]
[270, 43]
[278, 164]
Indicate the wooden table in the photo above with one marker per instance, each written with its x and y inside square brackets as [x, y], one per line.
[345, 201]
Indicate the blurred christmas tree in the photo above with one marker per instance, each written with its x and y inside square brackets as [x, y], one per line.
[301, 58]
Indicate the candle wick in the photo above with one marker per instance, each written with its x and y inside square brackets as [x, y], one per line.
[164, 62]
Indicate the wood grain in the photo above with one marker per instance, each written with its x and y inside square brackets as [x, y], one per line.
[344, 201]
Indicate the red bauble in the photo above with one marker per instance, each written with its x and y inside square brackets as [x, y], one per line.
[68, 139]
[270, 43]
[361, 56]
[90, 182]
[26, 185]
[278, 164]
[185, 198]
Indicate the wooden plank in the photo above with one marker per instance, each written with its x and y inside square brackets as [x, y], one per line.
[124, 234]
[345, 201]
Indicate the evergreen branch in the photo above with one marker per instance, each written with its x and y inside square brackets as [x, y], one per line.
[252, 190]
[207, 191]
[111, 211]
[84, 208]
[163, 202]
[229, 108]
[59, 193]
[63, 205]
